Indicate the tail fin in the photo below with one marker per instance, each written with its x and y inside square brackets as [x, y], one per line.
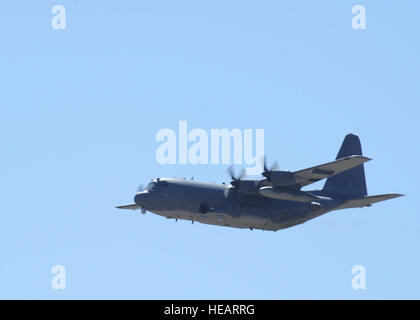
[350, 183]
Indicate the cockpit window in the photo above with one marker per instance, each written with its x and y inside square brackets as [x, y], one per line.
[150, 186]
[154, 185]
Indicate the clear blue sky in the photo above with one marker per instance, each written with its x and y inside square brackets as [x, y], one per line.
[80, 109]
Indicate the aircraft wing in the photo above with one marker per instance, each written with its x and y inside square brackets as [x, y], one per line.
[326, 170]
[130, 207]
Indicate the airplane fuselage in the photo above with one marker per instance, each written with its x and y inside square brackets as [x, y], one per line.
[220, 204]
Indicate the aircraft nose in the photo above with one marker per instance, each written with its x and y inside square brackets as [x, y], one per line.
[140, 197]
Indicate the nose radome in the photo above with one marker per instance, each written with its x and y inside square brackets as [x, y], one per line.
[139, 197]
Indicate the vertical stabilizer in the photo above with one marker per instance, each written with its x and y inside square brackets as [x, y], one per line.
[350, 183]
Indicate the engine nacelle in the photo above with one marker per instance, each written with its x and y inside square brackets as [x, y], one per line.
[282, 178]
[247, 186]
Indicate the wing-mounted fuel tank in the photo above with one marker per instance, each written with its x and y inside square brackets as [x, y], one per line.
[286, 194]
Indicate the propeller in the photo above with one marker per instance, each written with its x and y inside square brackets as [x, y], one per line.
[268, 170]
[236, 178]
[140, 188]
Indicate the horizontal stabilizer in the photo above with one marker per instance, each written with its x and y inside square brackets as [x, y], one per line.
[367, 201]
[130, 207]
[327, 170]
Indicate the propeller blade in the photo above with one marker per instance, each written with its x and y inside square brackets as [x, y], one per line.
[274, 166]
[263, 160]
[242, 174]
[140, 188]
[267, 170]
[235, 179]
[231, 173]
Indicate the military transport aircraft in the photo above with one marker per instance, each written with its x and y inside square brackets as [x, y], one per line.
[273, 203]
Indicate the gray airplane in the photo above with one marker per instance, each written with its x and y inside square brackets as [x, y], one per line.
[273, 203]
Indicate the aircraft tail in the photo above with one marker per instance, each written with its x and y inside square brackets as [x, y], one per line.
[350, 183]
